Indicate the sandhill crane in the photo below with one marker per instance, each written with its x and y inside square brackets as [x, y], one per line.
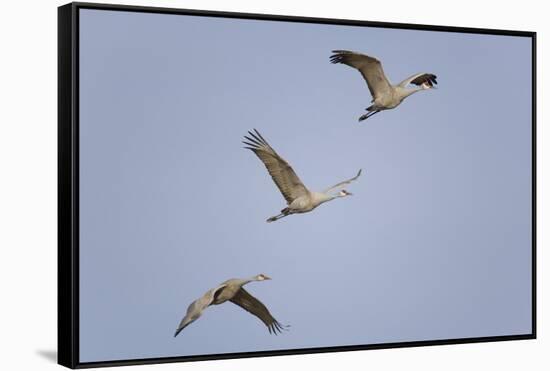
[384, 95]
[233, 291]
[298, 198]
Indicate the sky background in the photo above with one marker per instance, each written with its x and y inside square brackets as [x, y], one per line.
[434, 244]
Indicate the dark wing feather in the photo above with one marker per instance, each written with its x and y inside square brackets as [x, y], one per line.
[370, 68]
[252, 305]
[282, 173]
[426, 78]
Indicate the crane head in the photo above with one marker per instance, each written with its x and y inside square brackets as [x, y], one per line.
[262, 277]
[344, 193]
[426, 86]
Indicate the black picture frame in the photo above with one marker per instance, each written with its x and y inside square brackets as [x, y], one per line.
[68, 183]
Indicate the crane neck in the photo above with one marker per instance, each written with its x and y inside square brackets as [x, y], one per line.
[321, 197]
[326, 197]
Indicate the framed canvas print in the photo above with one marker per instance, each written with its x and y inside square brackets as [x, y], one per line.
[238, 185]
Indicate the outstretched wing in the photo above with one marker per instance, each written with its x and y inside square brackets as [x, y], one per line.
[336, 186]
[252, 305]
[370, 68]
[282, 173]
[195, 309]
[419, 79]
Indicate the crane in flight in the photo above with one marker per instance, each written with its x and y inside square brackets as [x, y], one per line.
[232, 290]
[298, 198]
[384, 95]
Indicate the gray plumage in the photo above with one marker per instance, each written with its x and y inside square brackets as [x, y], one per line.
[232, 290]
[384, 94]
[298, 198]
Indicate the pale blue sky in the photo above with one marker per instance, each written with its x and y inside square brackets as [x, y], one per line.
[434, 244]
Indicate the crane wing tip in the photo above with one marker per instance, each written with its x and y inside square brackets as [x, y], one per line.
[338, 56]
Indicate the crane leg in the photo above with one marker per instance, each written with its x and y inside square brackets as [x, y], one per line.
[276, 217]
[367, 115]
[370, 108]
